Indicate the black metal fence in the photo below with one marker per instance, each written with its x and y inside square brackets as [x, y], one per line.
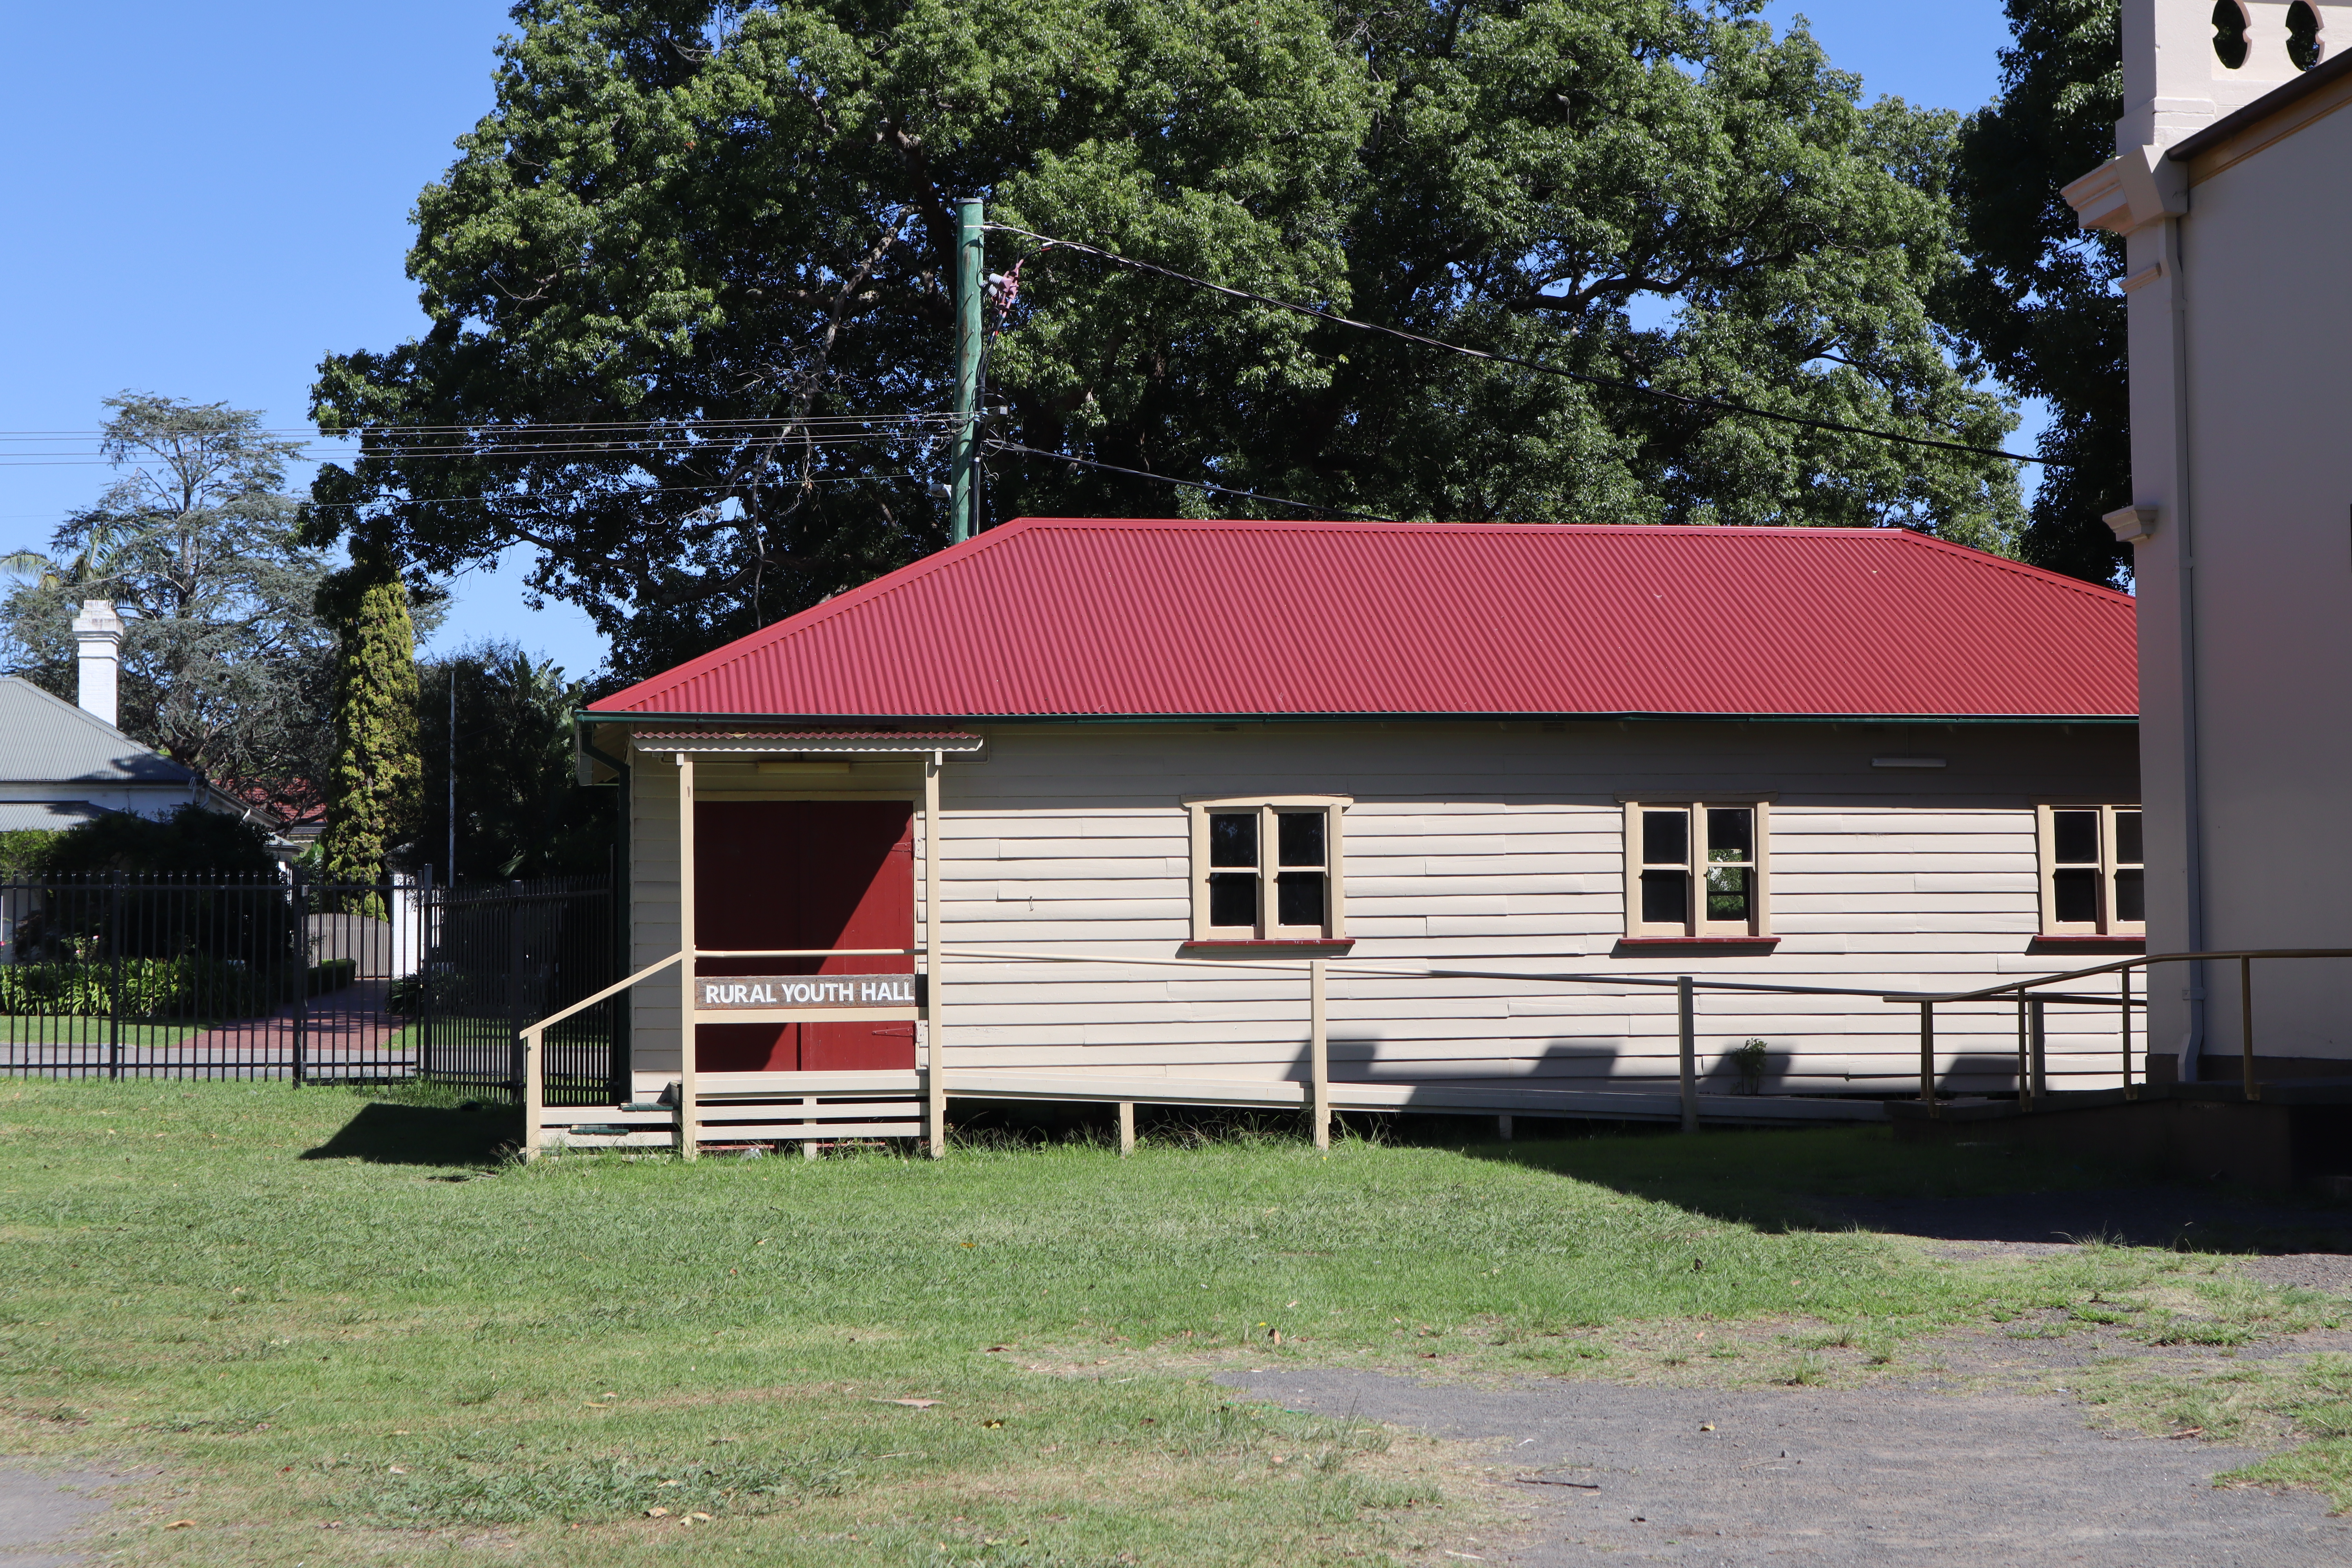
[499, 958]
[314, 982]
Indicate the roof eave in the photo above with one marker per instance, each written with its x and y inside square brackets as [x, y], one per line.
[1520, 717]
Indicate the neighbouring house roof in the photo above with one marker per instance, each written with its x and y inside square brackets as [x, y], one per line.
[1088, 618]
[52, 816]
[45, 740]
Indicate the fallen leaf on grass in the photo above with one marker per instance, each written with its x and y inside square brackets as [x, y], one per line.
[2188, 1431]
[701, 1515]
[181, 1524]
[397, 1469]
[911, 1403]
[656, 1513]
[993, 1349]
[993, 1423]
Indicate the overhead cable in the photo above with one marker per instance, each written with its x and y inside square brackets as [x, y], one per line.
[1189, 484]
[1685, 399]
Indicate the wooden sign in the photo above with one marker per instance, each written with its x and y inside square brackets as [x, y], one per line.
[785, 991]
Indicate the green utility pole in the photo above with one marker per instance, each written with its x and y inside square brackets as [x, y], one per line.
[963, 502]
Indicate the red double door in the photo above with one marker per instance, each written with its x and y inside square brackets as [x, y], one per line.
[772, 874]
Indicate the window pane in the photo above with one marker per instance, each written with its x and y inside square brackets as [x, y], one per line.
[1298, 899]
[1233, 899]
[2077, 896]
[1666, 839]
[2128, 849]
[1731, 833]
[1727, 892]
[1232, 839]
[2075, 836]
[1298, 838]
[2131, 896]
[1665, 897]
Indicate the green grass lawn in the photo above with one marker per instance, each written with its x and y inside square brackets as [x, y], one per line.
[341, 1330]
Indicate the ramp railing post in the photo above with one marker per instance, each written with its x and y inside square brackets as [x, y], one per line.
[1126, 1128]
[2039, 1028]
[2123, 988]
[1928, 1055]
[534, 1091]
[1319, 1054]
[2024, 1059]
[1687, 1009]
[2246, 1023]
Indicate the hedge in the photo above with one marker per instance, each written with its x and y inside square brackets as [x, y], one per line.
[189, 987]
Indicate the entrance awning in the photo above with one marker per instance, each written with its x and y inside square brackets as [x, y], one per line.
[830, 742]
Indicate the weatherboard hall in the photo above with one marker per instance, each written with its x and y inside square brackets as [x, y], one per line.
[1365, 817]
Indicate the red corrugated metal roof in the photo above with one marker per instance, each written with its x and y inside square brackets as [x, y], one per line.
[1103, 617]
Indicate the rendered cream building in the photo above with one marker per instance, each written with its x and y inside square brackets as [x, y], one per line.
[2231, 186]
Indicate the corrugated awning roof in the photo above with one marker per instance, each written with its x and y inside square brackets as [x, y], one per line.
[718, 739]
[1076, 618]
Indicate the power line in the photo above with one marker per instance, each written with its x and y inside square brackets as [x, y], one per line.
[1188, 484]
[1687, 400]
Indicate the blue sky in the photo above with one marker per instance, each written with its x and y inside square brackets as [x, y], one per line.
[204, 199]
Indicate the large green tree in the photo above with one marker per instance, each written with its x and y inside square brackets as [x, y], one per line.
[682, 215]
[225, 665]
[2040, 303]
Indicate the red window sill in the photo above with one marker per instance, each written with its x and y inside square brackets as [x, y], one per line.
[1744, 943]
[1251, 945]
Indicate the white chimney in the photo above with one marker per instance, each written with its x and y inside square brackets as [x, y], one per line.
[98, 636]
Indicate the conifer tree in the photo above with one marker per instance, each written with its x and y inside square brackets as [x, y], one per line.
[372, 789]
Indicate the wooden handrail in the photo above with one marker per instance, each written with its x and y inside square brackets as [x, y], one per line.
[2122, 963]
[613, 989]
[806, 951]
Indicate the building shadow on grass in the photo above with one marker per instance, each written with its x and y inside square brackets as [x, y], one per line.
[1861, 1179]
[390, 1134]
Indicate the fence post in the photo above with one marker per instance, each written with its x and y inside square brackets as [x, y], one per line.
[1318, 1062]
[1126, 1128]
[1928, 1055]
[421, 951]
[114, 978]
[1686, 1006]
[516, 1011]
[301, 977]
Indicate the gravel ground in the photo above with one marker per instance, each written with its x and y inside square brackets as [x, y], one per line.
[1609, 1474]
[1976, 1461]
[41, 1512]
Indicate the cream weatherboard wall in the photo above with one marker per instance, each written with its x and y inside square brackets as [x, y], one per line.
[1497, 844]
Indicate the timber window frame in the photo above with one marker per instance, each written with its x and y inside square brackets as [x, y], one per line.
[2093, 870]
[1681, 876]
[1260, 855]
